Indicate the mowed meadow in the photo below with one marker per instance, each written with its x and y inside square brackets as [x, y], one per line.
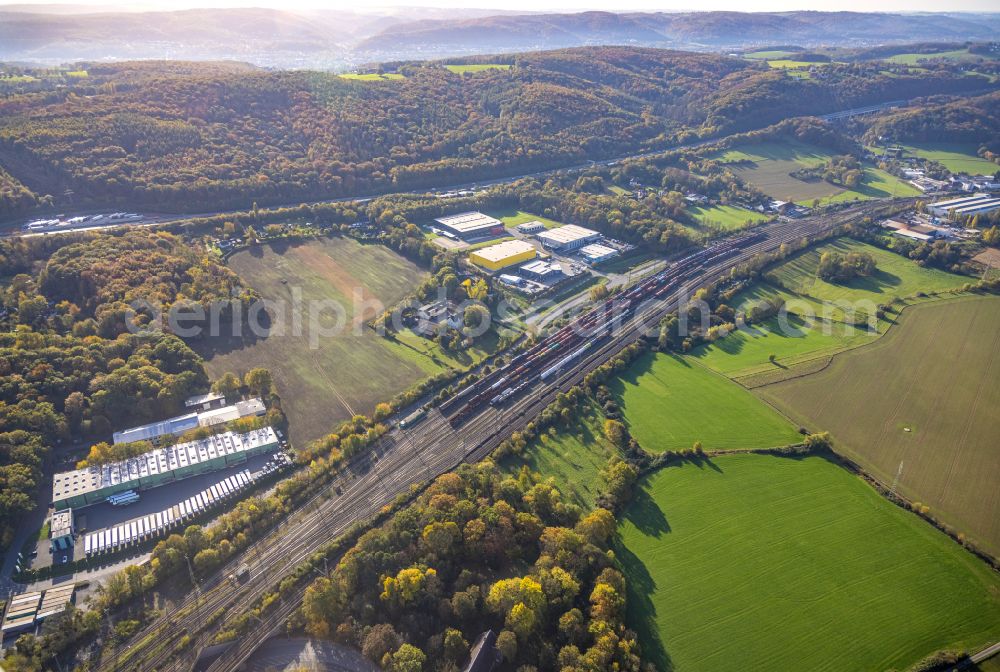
[920, 407]
[819, 321]
[671, 402]
[767, 165]
[348, 373]
[755, 562]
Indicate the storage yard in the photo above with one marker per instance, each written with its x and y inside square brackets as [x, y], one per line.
[155, 525]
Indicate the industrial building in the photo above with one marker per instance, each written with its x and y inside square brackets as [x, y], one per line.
[531, 227]
[966, 206]
[542, 271]
[182, 423]
[502, 255]
[568, 237]
[27, 609]
[205, 402]
[21, 612]
[595, 254]
[467, 225]
[61, 530]
[434, 318]
[94, 485]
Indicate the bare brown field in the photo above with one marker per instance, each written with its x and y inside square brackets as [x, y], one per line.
[919, 408]
[346, 374]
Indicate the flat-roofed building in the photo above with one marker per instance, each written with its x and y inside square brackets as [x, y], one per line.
[542, 271]
[154, 430]
[502, 255]
[466, 225]
[21, 612]
[568, 237]
[61, 530]
[942, 208]
[56, 600]
[205, 402]
[978, 208]
[531, 227]
[183, 423]
[95, 484]
[596, 254]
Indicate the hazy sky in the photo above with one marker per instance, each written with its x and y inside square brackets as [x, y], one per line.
[560, 5]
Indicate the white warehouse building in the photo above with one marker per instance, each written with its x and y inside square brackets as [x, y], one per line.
[568, 237]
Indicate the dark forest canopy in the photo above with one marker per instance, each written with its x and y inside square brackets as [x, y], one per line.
[975, 120]
[181, 136]
[68, 368]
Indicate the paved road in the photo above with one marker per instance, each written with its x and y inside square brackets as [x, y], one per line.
[155, 219]
[401, 460]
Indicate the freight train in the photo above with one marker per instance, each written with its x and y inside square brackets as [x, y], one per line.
[550, 356]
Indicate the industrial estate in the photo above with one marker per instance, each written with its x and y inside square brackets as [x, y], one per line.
[579, 359]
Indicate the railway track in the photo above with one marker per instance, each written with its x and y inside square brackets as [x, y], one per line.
[397, 462]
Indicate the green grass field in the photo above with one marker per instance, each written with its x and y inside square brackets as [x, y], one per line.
[876, 183]
[512, 218]
[725, 217]
[792, 65]
[792, 340]
[670, 402]
[574, 457]
[753, 562]
[771, 162]
[820, 315]
[895, 275]
[956, 157]
[766, 55]
[952, 55]
[478, 67]
[346, 373]
[372, 76]
[919, 407]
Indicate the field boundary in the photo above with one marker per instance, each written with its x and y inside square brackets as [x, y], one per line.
[850, 457]
[904, 503]
[831, 355]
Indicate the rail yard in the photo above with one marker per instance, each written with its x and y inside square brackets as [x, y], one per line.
[464, 429]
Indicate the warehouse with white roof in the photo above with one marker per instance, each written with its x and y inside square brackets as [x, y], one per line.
[568, 237]
[93, 485]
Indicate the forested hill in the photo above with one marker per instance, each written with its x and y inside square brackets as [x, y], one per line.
[694, 29]
[195, 137]
[975, 120]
